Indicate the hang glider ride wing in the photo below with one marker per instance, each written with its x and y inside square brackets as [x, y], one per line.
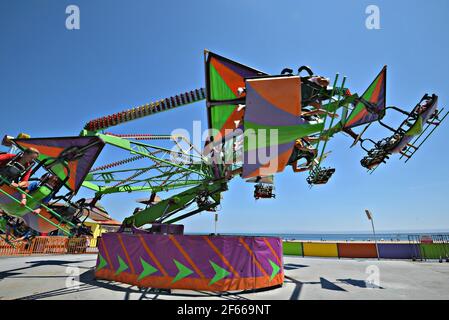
[78, 154]
[37, 223]
[273, 106]
[372, 103]
[224, 77]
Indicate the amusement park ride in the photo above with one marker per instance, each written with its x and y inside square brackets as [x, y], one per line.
[259, 124]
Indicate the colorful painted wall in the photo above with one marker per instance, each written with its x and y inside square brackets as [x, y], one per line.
[366, 250]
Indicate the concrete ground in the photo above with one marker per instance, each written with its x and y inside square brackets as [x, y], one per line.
[52, 277]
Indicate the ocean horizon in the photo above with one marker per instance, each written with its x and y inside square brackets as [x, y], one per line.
[340, 236]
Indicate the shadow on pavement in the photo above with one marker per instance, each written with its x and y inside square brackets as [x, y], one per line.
[359, 283]
[298, 287]
[35, 264]
[294, 266]
[88, 282]
[326, 284]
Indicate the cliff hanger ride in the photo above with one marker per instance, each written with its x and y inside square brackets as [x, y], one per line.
[244, 107]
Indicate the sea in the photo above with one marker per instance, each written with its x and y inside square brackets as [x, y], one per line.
[345, 236]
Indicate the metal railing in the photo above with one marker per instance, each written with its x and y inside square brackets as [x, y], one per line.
[60, 218]
[439, 242]
[47, 245]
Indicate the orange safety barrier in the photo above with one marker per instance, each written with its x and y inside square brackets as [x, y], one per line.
[47, 245]
[77, 245]
[6, 249]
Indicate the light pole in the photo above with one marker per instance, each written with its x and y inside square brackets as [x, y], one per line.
[370, 217]
[216, 220]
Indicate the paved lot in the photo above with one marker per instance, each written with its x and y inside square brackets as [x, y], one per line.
[51, 277]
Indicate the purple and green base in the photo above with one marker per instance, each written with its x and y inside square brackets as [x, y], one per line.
[192, 262]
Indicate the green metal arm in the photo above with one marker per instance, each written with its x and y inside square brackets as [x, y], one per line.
[127, 188]
[172, 205]
[140, 150]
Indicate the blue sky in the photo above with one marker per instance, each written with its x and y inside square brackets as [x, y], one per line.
[127, 53]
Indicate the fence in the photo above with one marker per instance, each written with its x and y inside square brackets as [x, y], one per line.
[47, 245]
[436, 247]
[431, 247]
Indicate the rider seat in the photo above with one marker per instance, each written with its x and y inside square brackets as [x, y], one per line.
[12, 171]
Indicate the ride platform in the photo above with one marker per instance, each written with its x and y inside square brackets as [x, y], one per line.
[193, 262]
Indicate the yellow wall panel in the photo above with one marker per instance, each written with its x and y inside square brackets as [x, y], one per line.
[320, 249]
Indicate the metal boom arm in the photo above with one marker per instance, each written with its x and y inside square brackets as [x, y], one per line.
[146, 110]
[171, 206]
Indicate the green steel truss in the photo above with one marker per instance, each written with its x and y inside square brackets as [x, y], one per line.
[158, 168]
